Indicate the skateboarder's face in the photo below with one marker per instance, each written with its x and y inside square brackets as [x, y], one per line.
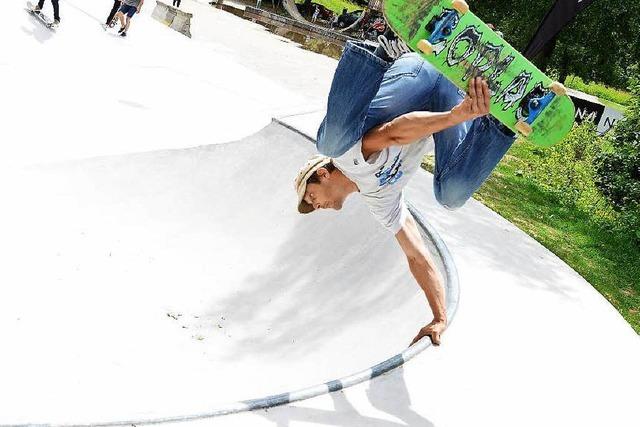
[325, 194]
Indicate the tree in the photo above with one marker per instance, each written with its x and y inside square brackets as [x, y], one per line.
[601, 44]
[619, 167]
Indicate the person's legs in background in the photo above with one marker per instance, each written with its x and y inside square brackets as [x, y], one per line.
[120, 17]
[56, 11]
[114, 10]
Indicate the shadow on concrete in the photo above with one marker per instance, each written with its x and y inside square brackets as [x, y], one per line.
[38, 31]
[345, 414]
[495, 242]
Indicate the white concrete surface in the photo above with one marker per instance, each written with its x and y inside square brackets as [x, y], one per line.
[129, 230]
[165, 91]
[190, 274]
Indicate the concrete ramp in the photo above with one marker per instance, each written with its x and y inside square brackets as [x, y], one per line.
[174, 282]
[147, 273]
[173, 18]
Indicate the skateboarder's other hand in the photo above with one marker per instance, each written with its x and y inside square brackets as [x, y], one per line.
[433, 330]
[476, 103]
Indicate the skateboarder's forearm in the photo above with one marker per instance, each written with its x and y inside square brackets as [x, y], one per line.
[422, 268]
[407, 129]
[410, 127]
[426, 275]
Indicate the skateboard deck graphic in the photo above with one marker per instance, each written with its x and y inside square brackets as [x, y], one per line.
[461, 46]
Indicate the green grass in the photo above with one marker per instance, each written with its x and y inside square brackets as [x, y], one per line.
[619, 107]
[606, 259]
[615, 98]
[337, 5]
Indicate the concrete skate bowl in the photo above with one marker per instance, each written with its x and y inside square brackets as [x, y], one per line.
[173, 282]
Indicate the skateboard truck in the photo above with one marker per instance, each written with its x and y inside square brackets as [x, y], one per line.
[442, 25]
[537, 105]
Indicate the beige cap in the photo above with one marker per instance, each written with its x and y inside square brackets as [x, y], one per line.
[312, 165]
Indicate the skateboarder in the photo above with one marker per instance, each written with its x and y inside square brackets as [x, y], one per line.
[56, 11]
[382, 107]
[128, 9]
[110, 19]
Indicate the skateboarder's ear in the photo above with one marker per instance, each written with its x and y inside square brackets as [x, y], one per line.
[322, 172]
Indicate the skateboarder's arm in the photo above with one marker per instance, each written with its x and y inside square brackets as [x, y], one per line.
[405, 129]
[410, 127]
[426, 274]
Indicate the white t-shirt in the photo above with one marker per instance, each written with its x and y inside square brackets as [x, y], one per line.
[382, 177]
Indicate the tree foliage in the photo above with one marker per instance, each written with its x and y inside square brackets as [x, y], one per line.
[567, 171]
[618, 166]
[602, 43]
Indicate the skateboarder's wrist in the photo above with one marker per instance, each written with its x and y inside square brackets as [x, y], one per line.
[440, 319]
[456, 117]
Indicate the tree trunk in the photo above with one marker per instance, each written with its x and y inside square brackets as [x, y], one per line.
[564, 67]
[546, 54]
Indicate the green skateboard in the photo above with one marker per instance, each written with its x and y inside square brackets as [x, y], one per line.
[461, 47]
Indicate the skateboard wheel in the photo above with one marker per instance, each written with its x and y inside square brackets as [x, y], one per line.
[425, 47]
[524, 128]
[461, 6]
[558, 88]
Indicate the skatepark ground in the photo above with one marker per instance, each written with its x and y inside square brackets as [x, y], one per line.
[154, 266]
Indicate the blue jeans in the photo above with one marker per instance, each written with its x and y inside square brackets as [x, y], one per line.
[367, 91]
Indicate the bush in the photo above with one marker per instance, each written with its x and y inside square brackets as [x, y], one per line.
[601, 91]
[618, 166]
[567, 170]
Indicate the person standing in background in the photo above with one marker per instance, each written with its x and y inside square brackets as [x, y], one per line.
[110, 19]
[56, 11]
[128, 9]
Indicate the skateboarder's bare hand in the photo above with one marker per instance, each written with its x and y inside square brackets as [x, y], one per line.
[475, 104]
[433, 330]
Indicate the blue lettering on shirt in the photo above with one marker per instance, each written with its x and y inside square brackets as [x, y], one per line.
[390, 175]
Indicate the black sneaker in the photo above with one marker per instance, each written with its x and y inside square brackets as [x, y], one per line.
[123, 34]
[391, 46]
[121, 30]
